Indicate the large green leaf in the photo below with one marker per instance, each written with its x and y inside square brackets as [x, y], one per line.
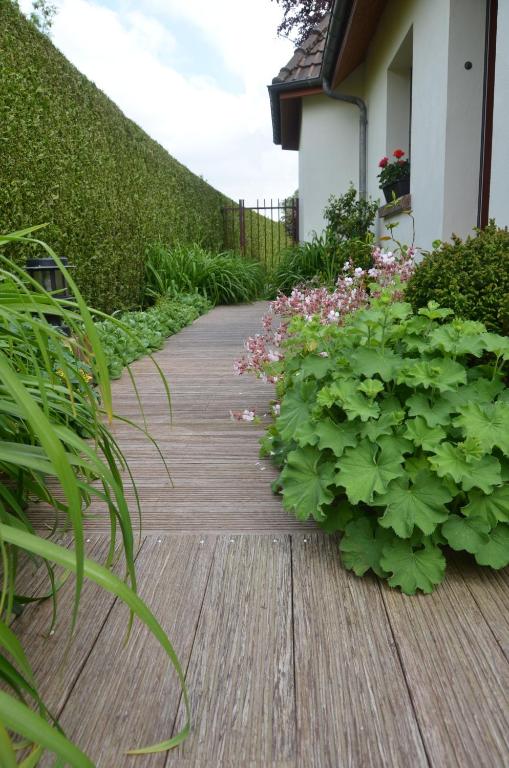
[373, 361]
[337, 437]
[346, 395]
[459, 339]
[434, 413]
[439, 373]
[487, 423]
[421, 435]
[450, 460]
[492, 507]
[306, 482]
[367, 469]
[413, 568]
[421, 504]
[495, 552]
[295, 408]
[361, 546]
[468, 533]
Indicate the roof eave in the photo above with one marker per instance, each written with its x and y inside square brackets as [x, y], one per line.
[275, 89]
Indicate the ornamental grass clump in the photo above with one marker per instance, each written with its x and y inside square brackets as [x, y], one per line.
[222, 278]
[393, 429]
[54, 392]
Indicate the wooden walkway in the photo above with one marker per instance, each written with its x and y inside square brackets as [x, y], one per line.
[291, 661]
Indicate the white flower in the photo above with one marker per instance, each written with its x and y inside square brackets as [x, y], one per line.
[358, 271]
[273, 357]
[324, 354]
[348, 280]
[346, 266]
[248, 415]
[276, 409]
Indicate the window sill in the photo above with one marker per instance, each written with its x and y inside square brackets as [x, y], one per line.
[402, 205]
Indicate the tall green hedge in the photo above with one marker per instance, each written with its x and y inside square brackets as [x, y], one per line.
[68, 156]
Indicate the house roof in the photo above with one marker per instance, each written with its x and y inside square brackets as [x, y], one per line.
[335, 47]
[306, 62]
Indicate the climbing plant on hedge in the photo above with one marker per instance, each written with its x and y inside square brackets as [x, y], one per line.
[71, 158]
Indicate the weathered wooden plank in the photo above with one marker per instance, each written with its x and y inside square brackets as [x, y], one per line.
[353, 705]
[457, 675]
[219, 482]
[54, 672]
[490, 590]
[127, 694]
[241, 668]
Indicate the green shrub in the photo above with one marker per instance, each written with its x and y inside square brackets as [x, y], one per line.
[49, 400]
[135, 334]
[471, 277]
[224, 278]
[393, 429]
[348, 217]
[71, 158]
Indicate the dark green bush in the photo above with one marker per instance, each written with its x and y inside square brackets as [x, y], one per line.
[471, 277]
[71, 158]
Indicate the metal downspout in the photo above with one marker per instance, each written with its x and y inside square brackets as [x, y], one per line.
[363, 130]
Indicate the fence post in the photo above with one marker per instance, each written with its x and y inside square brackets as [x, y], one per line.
[242, 227]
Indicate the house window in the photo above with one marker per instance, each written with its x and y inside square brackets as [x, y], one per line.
[399, 98]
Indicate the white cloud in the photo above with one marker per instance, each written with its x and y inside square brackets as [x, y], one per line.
[225, 136]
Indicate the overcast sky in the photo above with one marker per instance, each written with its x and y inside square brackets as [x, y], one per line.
[193, 75]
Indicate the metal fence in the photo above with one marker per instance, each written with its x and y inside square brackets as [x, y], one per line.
[263, 230]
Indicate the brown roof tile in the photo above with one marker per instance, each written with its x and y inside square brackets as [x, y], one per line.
[306, 62]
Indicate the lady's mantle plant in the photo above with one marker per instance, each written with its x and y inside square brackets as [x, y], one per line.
[394, 428]
[393, 171]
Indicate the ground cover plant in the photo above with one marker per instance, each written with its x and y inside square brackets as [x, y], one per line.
[222, 278]
[54, 392]
[391, 427]
[135, 334]
[471, 277]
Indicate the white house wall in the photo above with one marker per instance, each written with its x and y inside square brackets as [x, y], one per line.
[328, 157]
[445, 125]
[499, 190]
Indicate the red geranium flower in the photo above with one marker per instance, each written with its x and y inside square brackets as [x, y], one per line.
[383, 162]
[398, 153]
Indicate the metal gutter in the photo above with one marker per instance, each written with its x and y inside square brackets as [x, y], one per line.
[335, 35]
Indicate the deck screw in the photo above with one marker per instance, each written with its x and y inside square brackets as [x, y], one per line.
[202, 541]
[232, 541]
[88, 541]
[305, 541]
[274, 541]
[158, 541]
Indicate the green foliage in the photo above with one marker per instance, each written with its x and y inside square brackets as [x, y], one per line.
[223, 278]
[348, 217]
[135, 334]
[347, 237]
[71, 158]
[55, 391]
[398, 438]
[470, 276]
